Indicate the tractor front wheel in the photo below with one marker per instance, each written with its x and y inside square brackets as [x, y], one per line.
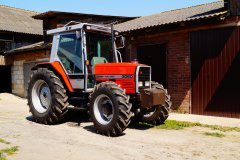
[157, 114]
[110, 109]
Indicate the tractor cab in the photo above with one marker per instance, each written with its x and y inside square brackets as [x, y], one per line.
[79, 48]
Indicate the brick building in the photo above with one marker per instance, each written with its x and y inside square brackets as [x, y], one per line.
[24, 58]
[194, 53]
[17, 29]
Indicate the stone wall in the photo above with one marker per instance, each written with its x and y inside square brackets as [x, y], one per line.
[17, 78]
[19, 59]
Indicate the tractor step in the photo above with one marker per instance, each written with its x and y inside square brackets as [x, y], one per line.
[82, 108]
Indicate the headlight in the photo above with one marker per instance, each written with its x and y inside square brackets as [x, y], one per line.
[140, 84]
[147, 83]
[88, 27]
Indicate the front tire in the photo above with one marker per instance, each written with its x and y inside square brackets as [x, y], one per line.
[47, 97]
[110, 109]
[157, 114]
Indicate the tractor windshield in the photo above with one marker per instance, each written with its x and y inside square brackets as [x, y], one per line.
[99, 48]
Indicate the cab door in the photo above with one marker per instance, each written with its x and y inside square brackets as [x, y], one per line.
[69, 53]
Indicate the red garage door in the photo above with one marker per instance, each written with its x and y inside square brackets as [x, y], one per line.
[215, 75]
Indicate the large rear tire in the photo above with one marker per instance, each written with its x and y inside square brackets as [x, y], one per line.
[47, 97]
[110, 109]
[157, 114]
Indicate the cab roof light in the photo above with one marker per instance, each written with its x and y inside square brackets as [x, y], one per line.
[88, 27]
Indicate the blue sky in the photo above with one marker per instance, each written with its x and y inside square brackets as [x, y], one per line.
[106, 7]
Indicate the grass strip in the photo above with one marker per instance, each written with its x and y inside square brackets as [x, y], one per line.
[177, 125]
[9, 151]
[3, 141]
[214, 134]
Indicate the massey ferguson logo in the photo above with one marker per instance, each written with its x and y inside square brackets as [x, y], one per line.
[127, 76]
[115, 76]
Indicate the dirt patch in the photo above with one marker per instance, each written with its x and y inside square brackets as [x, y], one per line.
[75, 138]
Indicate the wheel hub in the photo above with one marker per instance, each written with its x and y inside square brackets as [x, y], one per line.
[150, 112]
[103, 109]
[107, 108]
[45, 96]
[41, 96]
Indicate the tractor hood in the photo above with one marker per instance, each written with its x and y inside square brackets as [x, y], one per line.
[126, 75]
[116, 68]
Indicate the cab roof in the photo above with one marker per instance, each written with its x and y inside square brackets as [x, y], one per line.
[68, 27]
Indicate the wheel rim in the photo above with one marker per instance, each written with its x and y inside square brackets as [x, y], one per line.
[103, 109]
[150, 112]
[41, 96]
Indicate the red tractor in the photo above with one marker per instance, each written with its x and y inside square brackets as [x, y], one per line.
[86, 71]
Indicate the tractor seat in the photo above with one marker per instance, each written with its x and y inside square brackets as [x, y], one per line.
[96, 60]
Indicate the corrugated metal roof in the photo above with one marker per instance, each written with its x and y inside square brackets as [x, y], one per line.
[169, 17]
[51, 14]
[35, 46]
[19, 20]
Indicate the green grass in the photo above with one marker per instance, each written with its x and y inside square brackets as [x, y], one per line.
[214, 134]
[9, 151]
[1, 157]
[221, 128]
[172, 125]
[3, 141]
[177, 125]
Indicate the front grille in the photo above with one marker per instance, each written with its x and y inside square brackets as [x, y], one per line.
[144, 75]
[128, 85]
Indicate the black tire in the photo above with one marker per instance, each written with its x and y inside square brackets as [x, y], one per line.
[57, 100]
[119, 108]
[158, 114]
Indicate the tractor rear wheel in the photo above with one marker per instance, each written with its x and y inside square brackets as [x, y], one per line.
[157, 114]
[47, 97]
[110, 109]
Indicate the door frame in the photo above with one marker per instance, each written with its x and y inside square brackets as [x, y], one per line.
[165, 43]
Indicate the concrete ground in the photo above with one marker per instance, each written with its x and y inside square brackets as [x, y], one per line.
[75, 138]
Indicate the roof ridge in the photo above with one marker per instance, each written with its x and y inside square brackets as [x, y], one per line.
[19, 9]
[164, 12]
[206, 10]
[185, 8]
[91, 14]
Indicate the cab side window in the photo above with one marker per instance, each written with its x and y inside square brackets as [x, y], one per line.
[70, 53]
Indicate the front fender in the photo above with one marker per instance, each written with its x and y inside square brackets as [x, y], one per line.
[57, 68]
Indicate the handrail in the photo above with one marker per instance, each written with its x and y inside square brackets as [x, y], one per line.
[71, 22]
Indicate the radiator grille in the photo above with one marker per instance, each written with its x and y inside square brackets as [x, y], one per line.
[144, 75]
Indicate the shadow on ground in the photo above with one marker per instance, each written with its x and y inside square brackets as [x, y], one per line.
[72, 116]
[75, 118]
[139, 126]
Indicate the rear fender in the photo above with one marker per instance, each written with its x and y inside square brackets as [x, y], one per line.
[58, 70]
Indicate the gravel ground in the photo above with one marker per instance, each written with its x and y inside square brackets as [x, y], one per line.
[76, 139]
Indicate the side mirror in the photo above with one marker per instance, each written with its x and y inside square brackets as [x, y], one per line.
[120, 42]
[78, 35]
